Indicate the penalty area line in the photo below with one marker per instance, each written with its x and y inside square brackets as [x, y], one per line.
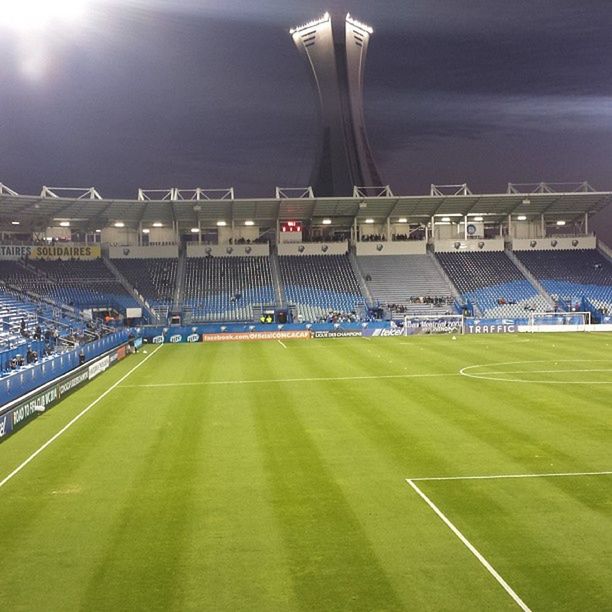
[74, 420]
[282, 344]
[519, 602]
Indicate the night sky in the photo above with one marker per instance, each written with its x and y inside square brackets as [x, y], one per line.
[163, 93]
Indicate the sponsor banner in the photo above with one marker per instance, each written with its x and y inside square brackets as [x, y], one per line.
[176, 338]
[433, 326]
[337, 333]
[379, 332]
[28, 408]
[122, 352]
[15, 251]
[73, 382]
[6, 425]
[69, 250]
[157, 340]
[99, 366]
[193, 338]
[490, 327]
[271, 335]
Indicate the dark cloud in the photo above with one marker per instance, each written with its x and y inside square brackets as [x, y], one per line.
[160, 93]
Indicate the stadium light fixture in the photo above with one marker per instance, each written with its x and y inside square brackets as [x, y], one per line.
[402, 220]
[146, 230]
[477, 219]
[15, 223]
[221, 223]
[521, 218]
[64, 223]
[326, 221]
[445, 219]
[369, 221]
[158, 224]
[249, 223]
[98, 231]
[195, 230]
[36, 15]
[119, 224]
[560, 222]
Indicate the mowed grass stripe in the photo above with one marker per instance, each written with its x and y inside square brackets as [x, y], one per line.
[553, 540]
[227, 462]
[409, 546]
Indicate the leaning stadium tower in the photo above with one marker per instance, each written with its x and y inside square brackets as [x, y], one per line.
[336, 49]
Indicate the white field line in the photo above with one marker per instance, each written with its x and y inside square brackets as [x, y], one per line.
[282, 344]
[473, 372]
[519, 602]
[74, 420]
[536, 372]
[503, 476]
[290, 380]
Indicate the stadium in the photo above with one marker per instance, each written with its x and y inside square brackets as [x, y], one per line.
[337, 397]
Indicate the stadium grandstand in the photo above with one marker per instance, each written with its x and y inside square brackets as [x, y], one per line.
[201, 255]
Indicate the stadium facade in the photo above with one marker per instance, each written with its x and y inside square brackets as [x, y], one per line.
[335, 48]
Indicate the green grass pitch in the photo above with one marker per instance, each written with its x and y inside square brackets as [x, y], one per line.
[257, 476]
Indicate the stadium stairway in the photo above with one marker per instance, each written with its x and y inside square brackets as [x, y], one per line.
[128, 287]
[605, 250]
[179, 291]
[360, 276]
[276, 278]
[530, 277]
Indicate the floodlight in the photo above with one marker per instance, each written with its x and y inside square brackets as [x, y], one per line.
[249, 223]
[158, 224]
[221, 223]
[402, 220]
[522, 218]
[560, 222]
[195, 230]
[32, 15]
[64, 223]
[119, 224]
[369, 221]
[326, 221]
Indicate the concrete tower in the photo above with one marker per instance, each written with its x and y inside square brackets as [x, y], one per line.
[336, 49]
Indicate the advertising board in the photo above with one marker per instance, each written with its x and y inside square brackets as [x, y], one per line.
[99, 366]
[68, 250]
[337, 333]
[242, 336]
[491, 326]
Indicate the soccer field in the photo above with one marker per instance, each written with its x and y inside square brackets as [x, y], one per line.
[320, 475]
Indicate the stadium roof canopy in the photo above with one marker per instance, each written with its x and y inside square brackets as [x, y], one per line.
[88, 210]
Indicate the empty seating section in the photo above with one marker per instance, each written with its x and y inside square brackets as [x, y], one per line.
[154, 279]
[406, 281]
[80, 283]
[226, 288]
[318, 284]
[12, 312]
[572, 275]
[493, 283]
